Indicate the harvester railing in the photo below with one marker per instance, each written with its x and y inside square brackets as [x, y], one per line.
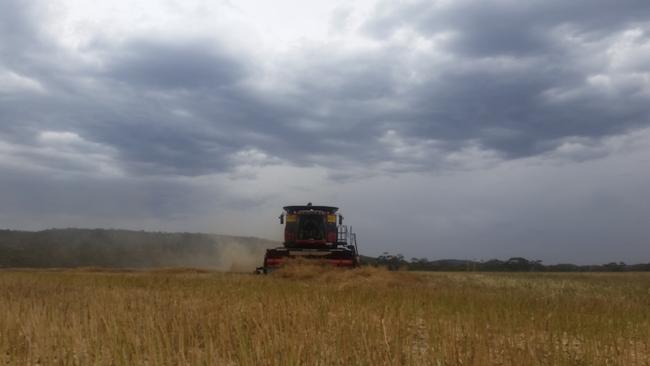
[353, 240]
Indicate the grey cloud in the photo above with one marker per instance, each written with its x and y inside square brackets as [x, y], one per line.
[185, 107]
[174, 65]
[131, 105]
[506, 27]
[507, 58]
[16, 28]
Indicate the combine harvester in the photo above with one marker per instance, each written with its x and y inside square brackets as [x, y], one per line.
[314, 233]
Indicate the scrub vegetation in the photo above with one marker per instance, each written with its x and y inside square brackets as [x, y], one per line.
[318, 316]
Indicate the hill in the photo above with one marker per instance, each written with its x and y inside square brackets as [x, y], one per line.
[58, 248]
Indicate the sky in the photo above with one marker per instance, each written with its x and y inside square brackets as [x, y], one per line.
[442, 129]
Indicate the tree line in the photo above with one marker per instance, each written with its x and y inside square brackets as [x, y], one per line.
[514, 264]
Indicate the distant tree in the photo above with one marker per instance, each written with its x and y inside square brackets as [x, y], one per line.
[615, 267]
[390, 261]
[517, 264]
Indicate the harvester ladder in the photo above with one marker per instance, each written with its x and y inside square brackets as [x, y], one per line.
[345, 236]
[353, 240]
[342, 235]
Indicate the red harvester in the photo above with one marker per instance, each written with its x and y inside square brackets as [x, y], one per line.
[313, 232]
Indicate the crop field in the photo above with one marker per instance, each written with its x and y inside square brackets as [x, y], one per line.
[308, 315]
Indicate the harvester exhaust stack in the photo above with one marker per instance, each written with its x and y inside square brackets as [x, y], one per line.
[313, 232]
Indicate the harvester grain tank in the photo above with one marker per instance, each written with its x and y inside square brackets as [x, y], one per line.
[313, 232]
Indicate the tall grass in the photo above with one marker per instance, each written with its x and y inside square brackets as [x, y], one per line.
[315, 316]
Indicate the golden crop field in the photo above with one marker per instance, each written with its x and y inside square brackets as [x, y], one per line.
[312, 316]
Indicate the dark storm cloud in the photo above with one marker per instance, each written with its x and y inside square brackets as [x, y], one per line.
[188, 108]
[134, 104]
[483, 28]
[506, 109]
[511, 78]
[508, 58]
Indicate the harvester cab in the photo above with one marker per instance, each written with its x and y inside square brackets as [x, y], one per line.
[313, 232]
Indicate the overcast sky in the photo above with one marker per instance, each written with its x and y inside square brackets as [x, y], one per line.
[443, 129]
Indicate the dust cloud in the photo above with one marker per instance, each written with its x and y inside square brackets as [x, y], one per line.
[236, 257]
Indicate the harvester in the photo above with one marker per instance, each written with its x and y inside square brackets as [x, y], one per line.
[313, 233]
